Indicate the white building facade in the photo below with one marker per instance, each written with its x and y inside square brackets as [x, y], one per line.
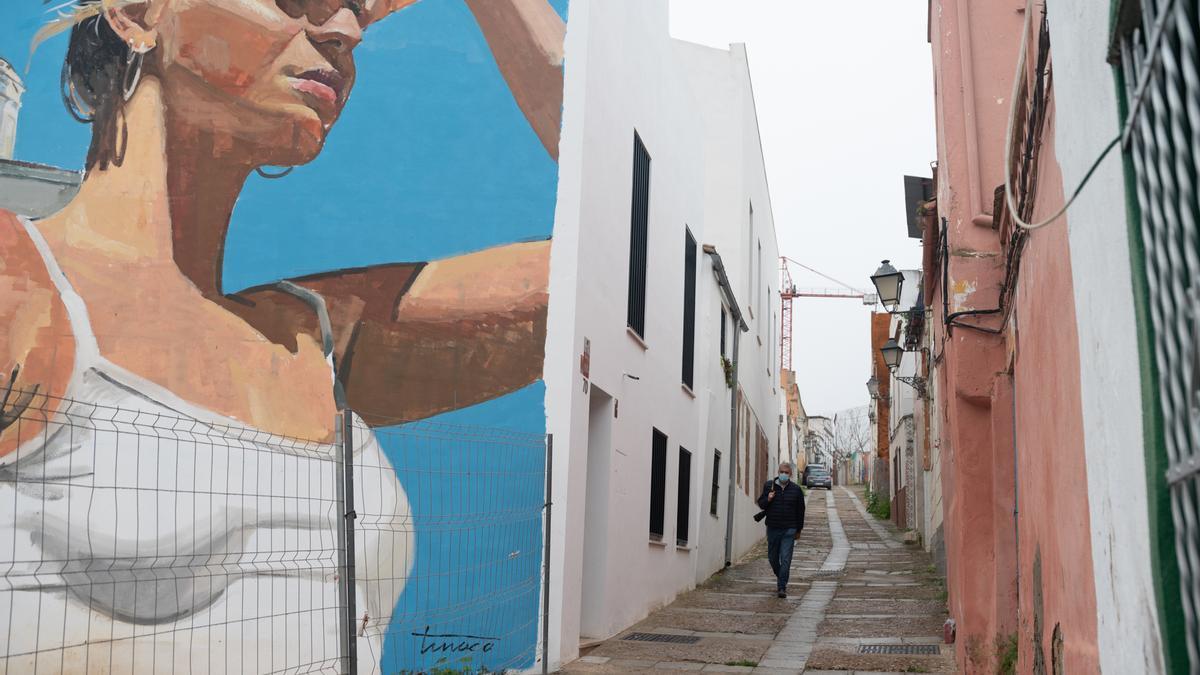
[663, 191]
[11, 90]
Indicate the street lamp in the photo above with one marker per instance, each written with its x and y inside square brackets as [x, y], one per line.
[888, 282]
[892, 353]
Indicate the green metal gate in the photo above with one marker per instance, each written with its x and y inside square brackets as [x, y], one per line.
[1159, 67]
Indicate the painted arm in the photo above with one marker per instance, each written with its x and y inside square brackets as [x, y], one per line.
[413, 341]
[469, 329]
[526, 38]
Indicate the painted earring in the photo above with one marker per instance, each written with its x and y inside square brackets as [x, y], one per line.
[274, 176]
[133, 65]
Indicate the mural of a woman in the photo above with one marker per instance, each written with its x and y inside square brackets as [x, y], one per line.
[117, 300]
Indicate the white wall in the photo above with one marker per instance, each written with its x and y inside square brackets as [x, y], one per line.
[1087, 119]
[691, 106]
[11, 90]
[933, 478]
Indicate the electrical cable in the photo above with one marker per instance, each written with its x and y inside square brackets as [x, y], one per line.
[822, 274]
[1008, 136]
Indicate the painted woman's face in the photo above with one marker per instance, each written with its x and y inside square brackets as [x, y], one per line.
[270, 77]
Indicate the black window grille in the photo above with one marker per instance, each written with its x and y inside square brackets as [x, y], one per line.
[771, 336]
[658, 484]
[758, 280]
[683, 514]
[1160, 67]
[638, 235]
[689, 309]
[750, 265]
[716, 483]
[724, 320]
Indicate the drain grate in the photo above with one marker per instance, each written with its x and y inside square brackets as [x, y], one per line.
[663, 637]
[932, 650]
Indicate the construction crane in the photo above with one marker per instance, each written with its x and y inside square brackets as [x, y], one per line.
[789, 292]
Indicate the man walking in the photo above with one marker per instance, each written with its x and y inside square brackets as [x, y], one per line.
[783, 502]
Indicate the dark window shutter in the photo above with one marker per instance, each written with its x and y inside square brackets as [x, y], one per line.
[689, 309]
[658, 483]
[684, 496]
[724, 320]
[638, 235]
[716, 483]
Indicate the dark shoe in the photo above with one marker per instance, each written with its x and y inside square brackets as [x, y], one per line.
[781, 594]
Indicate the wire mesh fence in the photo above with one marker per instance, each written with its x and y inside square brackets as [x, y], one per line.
[136, 540]
[472, 591]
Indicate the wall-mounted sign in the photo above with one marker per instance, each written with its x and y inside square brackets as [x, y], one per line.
[585, 359]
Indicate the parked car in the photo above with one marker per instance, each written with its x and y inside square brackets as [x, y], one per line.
[817, 475]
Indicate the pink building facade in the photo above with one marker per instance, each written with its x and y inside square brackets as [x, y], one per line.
[1045, 418]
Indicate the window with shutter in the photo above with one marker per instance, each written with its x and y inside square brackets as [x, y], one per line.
[638, 237]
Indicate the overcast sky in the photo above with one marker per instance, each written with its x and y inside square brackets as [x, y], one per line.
[845, 106]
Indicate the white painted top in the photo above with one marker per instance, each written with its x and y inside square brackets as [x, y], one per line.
[151, 533]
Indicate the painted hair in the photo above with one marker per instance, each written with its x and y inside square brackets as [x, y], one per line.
[96, 74]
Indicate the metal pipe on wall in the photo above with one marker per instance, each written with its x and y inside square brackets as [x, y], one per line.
[546, 555]
[733, 433]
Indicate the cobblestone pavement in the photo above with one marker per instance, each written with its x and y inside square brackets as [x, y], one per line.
[853, 584]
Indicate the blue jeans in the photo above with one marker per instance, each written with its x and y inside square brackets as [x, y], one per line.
[780, 544]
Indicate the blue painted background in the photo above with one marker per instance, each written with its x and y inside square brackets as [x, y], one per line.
[431, 158]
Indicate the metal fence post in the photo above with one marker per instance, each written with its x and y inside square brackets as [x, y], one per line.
[345, 525]
[339, 485]
[350, 515]
[546, 556]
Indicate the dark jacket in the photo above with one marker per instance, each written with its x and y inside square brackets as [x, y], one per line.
[787, 509]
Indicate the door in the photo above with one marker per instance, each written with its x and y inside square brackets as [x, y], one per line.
[593, 623]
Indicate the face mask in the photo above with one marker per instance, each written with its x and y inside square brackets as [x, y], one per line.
[785, 477]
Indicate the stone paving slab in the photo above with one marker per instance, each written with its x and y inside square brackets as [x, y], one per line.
[878, 640]
[923, 592]
[633, 663]
[713, 620]
[908, 627]
[759, 602]
[894, 607]
[707, 650]
[852, 672]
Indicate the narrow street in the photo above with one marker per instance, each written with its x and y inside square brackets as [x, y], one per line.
[858, 600]
[442, 337]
